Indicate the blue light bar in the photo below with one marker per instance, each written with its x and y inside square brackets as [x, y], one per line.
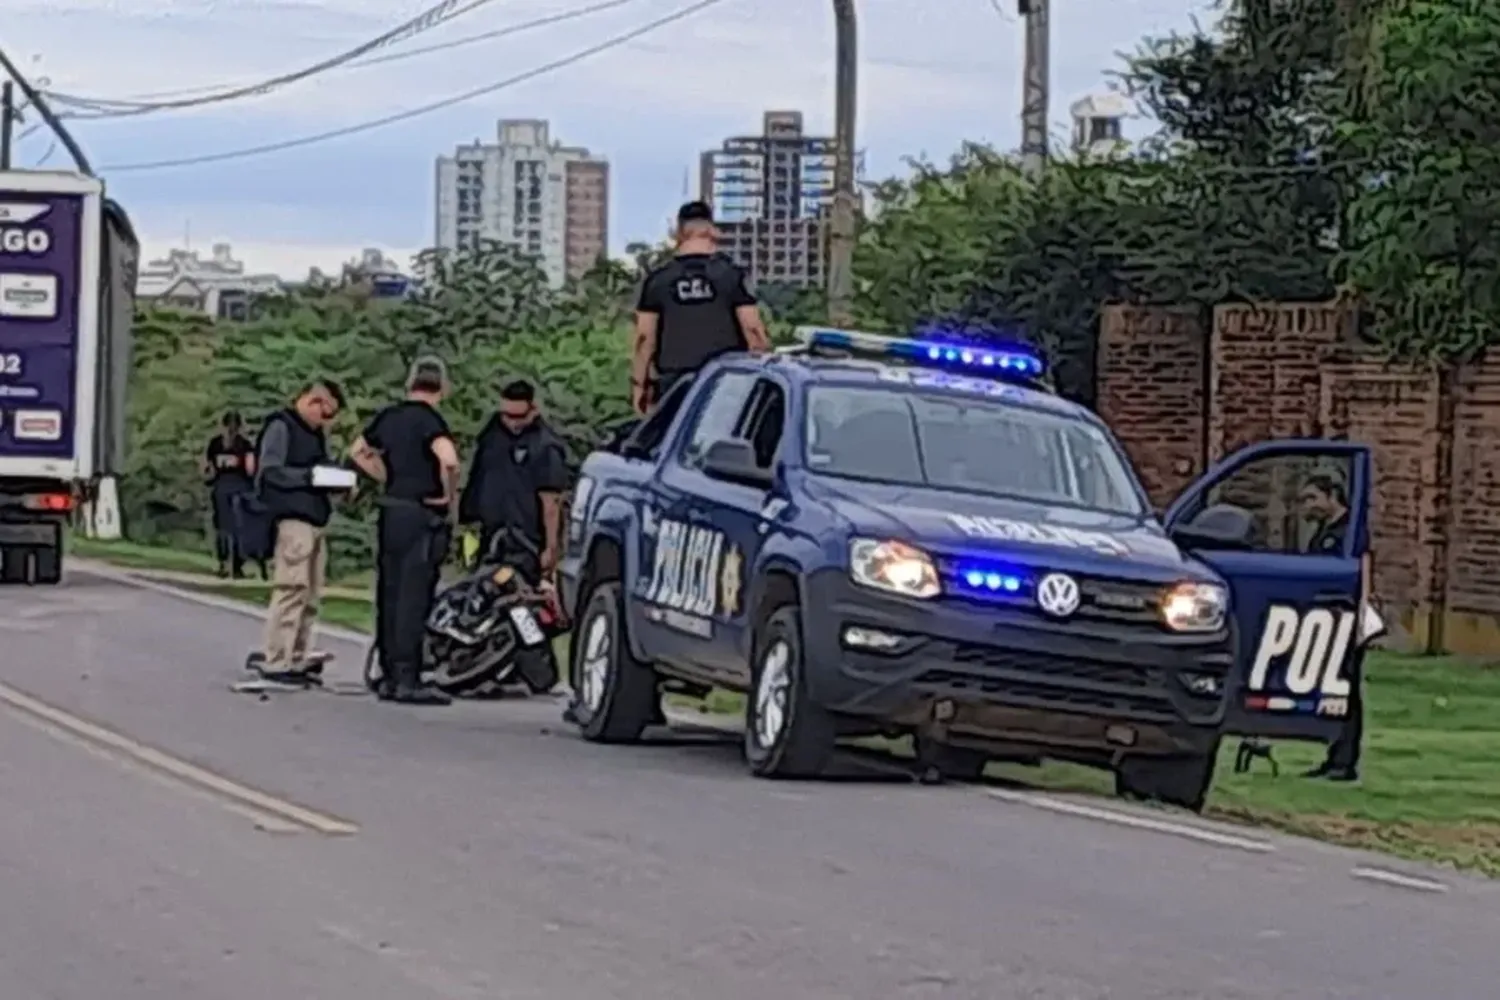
[1004, 362]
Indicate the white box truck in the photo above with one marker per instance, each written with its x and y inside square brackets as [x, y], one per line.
[68, 264]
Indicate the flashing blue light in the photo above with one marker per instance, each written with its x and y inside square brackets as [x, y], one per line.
[1015, 362]
[993, 581]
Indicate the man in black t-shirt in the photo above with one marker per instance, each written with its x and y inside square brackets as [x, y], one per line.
[409, 448]
[517, 482]
[693, 308]
[229, 466]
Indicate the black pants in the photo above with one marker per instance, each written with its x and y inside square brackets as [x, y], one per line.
[413, 542]
[227, 548]
[1344, 752]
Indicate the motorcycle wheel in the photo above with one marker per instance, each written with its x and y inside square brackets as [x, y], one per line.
[464, 675]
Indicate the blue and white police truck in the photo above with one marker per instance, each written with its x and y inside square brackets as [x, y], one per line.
[875, 535]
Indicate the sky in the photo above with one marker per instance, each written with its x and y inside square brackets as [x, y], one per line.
[933, 73]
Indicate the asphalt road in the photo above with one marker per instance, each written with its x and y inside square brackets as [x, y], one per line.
[496, 856]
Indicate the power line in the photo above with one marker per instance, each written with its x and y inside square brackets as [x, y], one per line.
[428, 19]
[308, 140]
[510, 29]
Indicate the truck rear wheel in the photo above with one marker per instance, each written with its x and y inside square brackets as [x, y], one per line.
[30, 565]
[1176, 781]
[46, 566]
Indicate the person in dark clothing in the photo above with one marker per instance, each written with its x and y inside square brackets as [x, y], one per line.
[293, 445]
[409, 448]
[517, 481]
[693, 308]
[1323, 501]
[229, 466]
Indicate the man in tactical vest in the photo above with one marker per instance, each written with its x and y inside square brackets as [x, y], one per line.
[693, 308]
[292, 445]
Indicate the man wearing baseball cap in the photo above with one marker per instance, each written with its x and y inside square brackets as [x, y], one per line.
[693, 308]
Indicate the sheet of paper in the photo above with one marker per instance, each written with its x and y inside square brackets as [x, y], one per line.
[332, 477]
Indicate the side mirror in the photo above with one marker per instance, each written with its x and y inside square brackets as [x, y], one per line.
[733, 460]
[1222, 526]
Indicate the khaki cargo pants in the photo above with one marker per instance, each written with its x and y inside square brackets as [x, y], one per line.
[300, 564]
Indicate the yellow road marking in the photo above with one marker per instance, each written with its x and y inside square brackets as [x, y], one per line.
[272, 813]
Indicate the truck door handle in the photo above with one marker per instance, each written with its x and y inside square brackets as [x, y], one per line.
[1332, 596]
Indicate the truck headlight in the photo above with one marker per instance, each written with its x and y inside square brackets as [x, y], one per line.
[894, 567]
[1195, 607]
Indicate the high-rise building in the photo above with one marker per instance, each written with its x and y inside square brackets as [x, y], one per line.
[771, 196]
[550, 200]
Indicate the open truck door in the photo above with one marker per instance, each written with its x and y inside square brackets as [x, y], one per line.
[1296, 577]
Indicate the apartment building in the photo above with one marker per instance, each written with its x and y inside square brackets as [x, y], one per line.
[771, 194]
[528, 190]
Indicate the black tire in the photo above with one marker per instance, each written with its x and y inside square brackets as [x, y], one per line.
[1176, 781]
[955, 763]
[46, 568]
[15, 565]
[803, 743]
[617, 696]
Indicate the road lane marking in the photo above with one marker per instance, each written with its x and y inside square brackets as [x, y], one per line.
[104, 571]
[260, 820]
[1400, 881]
[1186, 831]
[281, 811]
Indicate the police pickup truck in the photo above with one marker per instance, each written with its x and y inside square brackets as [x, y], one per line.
[879, 536]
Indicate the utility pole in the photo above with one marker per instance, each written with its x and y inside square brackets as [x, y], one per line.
[845, 201]
[1036, 90]
[7, 122]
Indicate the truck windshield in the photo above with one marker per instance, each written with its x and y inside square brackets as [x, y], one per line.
[948, 442]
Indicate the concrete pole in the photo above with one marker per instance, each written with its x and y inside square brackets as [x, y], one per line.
[7, 122]
[1036, 90]
[845, 199]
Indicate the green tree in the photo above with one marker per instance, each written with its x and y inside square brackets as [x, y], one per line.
[1423, 235]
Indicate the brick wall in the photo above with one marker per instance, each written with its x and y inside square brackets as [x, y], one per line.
[1150, 388]
[1179, 399]
[1399, 414]
[1473, 556]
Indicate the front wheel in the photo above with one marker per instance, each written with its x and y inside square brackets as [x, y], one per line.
[1176, 781]
[617, 694]
[787, 735]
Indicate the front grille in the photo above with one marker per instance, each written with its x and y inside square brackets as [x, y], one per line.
[1103, 600]
[1149, 692]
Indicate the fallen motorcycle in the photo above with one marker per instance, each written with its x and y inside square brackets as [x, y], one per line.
[490, 630]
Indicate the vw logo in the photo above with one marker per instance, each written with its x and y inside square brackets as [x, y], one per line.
[1058, 595]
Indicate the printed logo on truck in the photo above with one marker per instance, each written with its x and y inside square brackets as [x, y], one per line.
[28, 296]
[696, 577]
[17, 236]
[37, 425]
[1299, 664]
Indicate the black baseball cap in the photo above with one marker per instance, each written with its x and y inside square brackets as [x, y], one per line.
[694, 211]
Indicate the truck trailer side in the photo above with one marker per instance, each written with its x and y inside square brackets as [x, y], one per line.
[68, 261]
